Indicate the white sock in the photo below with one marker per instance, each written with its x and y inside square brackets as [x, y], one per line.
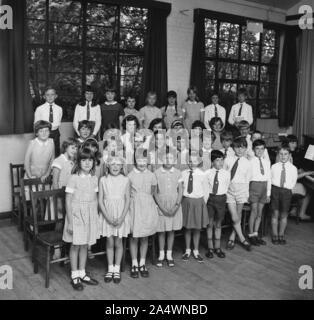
[256, 234]
[251, 235]
[196, 253]
[74, 274]
[116, 268]
[82, 274]
[161, 255]
[134, 263]
[169, 254]
[142, 262]
[111, 268]
[188, 251]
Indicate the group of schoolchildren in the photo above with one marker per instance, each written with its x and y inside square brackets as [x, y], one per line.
[109, 197]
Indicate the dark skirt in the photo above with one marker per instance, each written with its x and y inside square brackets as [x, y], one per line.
[194, 212]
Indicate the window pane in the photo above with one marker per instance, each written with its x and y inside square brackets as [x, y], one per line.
[228, 94]
[229, 31]
[210, 46]
[66, 84]
[209, 89]
[210, 28]
[65, 61]
[135, 18]
[68, 104]
[65, 11]
[100, 62]
[267, 108]
[101, 37]
[268, 55]
[249, 37]
[248, 72]
[228, 49]
[227, 70]
[249, 52]
[102, 14]
[268, 73]
[36, 9]
[64, 33]
[36, 61]
[251, 91]
[131, 65]
[132, 38]
[100, 82]
[36, 31]
[37, 82]
[210, 70]
[268, 91]
[269, 38]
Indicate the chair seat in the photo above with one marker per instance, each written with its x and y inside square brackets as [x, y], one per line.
[51, 238]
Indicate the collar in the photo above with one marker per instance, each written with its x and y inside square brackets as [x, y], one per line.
[192, 102]
[48, 104]
[85, 175]
[41, 143]
[172, 107]
[138, 171]
[110, 103]
[164, 170]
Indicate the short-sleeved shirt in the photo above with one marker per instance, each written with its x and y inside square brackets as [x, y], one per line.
[65, 166]
[199, 183]
[192, 112]
[148, 114]
[132, 112]
[110, 113]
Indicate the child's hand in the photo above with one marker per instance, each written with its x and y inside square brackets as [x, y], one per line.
[43, 178]
[70, 228]
[268, 200]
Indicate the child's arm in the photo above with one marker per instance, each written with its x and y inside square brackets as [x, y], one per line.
[269, 183]
[158, 201]
[178, 201]
[206, 118]
[75, 120]
[101, 204]
[120, 122]
[126, 205]
[250, 115]
[231, 116]
[55, 177]
[27, 161]
[69, 217]
[202, 112]
[48, 172]
[98, 121]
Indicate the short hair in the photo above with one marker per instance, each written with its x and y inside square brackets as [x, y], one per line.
[83, 154]
[41, 124]
[284, 146]
[89, 89]
[50, 88]
[239, 142]
[194, 89]
[242, 91]
[171, 93]
[215, 93]
[226, 136]
[156, 121]
[216, 154]
[177, 123]
[215, 120]
[292, 138]
[85, 123]
[198, 123]
[244, 124]
[67, 143]
[110, 89]
[92, 143]
[259, 142]
[128, 119]
[257, 132]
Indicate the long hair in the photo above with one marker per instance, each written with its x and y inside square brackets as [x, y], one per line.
[194, 89]
[83, 154]
[174, 95]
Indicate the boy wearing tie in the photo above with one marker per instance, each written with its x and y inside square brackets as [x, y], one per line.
[241, 110]
[218, 180]
[284, 177]
[260, 186]
[214, 110]
[52, 113]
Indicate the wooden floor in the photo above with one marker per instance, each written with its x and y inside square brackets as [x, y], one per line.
[269, 272]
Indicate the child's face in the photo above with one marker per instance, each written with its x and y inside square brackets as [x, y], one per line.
[226, 143]
[130, 126]
[171, 101]
[168, 161]
[241, 97]
[293, 145]
[159, 140]
[115, 167]
[195, 160]
[192, 95]
[259, 151]
[218, 163]
[157, 126]
[141, 164]
[284, 155]
[85, 132]
[181, 145]
[215, 99]
[87, 165]
[217, 126]
[71, 151]
[239, 151]
[131, 103]
[89, 96]
[197, 131]
[178, 127]
[244, 131]
[256, 136]
[43, 134]
[207, 144]
[50, 96]
[151, 100]
[110, 96]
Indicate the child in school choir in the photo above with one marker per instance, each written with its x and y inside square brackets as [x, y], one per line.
[214, 110]
[171, 111]
[150, 111]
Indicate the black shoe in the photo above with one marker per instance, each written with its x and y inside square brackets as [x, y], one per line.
[246, 245]
[186, 257]
[170, 263]
[230, 245]
[77, 284]
[198, 258]
[90, 281]
[144, 272]
[253, 241]
[134, 272]
[275, 240]
[209, 254]
[116, 277]
[282, 240]
[261, 242]
[160, 263]
[108, 277]
[220, 253]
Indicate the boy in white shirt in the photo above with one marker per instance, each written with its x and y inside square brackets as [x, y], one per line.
[257, 135]
[214, 110]
[218, 180]
[226, 139]
[260, 187]
[241, 110]
[284, 177]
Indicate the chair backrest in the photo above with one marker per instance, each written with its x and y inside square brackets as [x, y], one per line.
[16, 173]
[48, 208]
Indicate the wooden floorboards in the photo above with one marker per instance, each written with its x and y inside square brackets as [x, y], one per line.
[269, 272]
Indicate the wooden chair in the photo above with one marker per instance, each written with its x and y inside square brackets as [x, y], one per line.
[26, 186]
[16, 172]
[48, 210]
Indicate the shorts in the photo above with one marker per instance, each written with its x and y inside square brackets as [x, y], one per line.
[237, 193]
[216, 207]
[258, 192]
[280, 199]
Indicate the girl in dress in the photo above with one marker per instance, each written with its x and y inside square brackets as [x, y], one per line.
[216, 125]
[93, 145]
[114, 201]
[168, 198]
[81, 227]
[193, 108]
[158, 146]
[150, 111]
[143, 213]
[170, 111]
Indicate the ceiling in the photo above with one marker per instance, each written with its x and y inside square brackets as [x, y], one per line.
[282, 4]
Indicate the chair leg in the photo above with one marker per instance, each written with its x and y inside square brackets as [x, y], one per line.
[35, 256]
[47, 266]
[20, 218]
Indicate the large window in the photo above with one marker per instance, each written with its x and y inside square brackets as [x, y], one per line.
[237, 58]
[72, 44]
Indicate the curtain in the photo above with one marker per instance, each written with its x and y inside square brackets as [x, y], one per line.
[304, 118]
[16, 112]
[288, 79]
[155, 73]
[198, 75]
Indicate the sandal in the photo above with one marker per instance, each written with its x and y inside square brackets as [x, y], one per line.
[275, 240]
[134, 272]
[116, 277]
[160, 263]
[77, 284]
[144, 272]
[170, 262]
[230, 244]
[219, 253]
[282, 240]
[246, 245]
[108, 277]
[90, 281]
